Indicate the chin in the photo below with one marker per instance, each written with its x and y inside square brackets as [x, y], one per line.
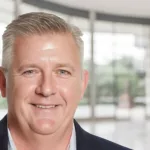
[44, 127]
[42, 131]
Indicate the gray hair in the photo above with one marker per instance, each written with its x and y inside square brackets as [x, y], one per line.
[36, 23]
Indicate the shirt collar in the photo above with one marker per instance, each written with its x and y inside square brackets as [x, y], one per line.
[11, 144]
[73, 139]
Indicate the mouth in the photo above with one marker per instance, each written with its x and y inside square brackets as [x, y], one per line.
[41, 106]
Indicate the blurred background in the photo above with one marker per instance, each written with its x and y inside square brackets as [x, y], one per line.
[116, 105]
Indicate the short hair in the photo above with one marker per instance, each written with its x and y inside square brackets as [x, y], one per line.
[36, 23]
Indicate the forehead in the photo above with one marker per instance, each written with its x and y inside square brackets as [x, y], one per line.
[54, 47]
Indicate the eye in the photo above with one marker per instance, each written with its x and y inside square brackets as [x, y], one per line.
[29, 72]
[64, 73]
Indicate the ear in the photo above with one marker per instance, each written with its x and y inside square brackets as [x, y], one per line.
[2, 82]
[85, 79]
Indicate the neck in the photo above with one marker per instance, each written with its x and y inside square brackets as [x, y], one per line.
[29, 140]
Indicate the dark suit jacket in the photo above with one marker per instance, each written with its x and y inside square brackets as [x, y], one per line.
[85, 140]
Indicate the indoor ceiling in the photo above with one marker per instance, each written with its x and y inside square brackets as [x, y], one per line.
[135, 8]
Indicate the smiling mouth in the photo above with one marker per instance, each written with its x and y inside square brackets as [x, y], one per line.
[44, 106]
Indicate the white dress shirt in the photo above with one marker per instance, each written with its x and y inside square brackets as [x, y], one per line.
[72, 144]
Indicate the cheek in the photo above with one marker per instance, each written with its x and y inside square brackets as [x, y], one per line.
[19, 88]
[70, 91]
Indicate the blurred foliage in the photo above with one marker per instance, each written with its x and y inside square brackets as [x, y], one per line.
[3, 103]
[117, 77]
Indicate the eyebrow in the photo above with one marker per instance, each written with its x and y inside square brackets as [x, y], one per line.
[27, 66]
[65, 65]
[59, 65]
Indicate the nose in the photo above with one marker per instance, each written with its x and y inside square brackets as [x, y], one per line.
[47, 86]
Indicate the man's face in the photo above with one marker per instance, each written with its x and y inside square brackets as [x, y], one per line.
[45, 83]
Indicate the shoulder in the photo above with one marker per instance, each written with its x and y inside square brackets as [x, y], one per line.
[90, 142]
[103, 143]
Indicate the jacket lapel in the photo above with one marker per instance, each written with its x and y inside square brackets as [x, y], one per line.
[81, 138]
[3, 134]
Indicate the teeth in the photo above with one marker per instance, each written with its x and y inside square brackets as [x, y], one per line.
[45, 107]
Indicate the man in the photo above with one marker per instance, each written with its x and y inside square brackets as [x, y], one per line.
[43, 80]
